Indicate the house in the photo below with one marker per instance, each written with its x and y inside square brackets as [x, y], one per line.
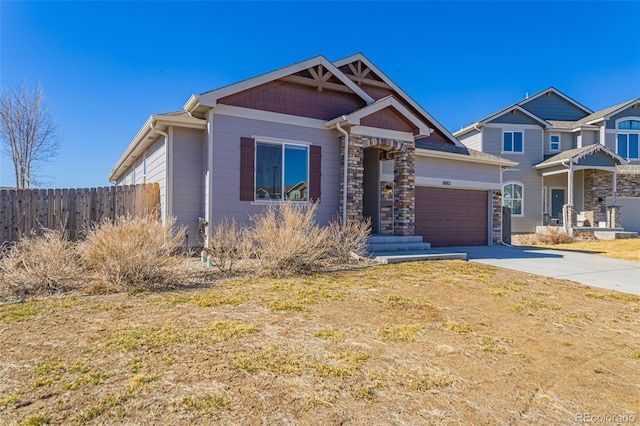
[577, 168]
[288, 134]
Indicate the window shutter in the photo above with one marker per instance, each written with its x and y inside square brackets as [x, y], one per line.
[247, 169]
[315, 162]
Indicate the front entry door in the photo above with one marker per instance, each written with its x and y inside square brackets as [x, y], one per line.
[557, 201]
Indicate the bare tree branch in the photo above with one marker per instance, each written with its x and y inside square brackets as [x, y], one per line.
[28, 133]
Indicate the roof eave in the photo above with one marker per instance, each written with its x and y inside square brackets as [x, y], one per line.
[453, 156]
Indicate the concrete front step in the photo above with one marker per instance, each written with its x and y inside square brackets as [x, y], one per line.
[417, 246]
[381, 239]
[411, 256]
[614, 235]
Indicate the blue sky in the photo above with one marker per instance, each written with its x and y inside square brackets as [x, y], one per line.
[106, 66]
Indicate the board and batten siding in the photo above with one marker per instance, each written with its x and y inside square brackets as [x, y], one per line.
[522, 173]
[227, 131]
[188, 179]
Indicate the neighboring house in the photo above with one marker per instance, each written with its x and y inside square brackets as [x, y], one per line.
[287, 134]
[570, 160]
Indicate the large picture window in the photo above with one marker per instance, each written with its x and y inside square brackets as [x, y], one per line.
[512, 142]
[628, 140]
[512, 197]
[282, 172]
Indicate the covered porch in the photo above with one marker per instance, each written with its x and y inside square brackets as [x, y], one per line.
[579, 190]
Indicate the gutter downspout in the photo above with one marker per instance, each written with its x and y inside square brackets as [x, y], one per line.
[166, 161]
[344, 177]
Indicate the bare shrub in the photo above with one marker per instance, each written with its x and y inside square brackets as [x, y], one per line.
[287, 240]
[553, 235]
[348, 243]
[136, 252]
[40, 264]
[227, 245]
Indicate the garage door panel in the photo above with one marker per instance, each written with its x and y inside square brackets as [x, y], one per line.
[449, 217]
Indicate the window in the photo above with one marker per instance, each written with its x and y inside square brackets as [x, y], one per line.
[512, 142]
[627, 143]
[282, 172]
[512, 197]
[554, 143]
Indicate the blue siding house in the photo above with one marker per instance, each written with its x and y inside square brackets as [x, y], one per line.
[576, 168]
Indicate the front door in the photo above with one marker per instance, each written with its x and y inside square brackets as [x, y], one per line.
[557, 201]
[371, 188]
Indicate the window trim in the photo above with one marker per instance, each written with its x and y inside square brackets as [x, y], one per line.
[514, 182]
[626, 132]
[283, 143]
[503, 151]
[551, 149]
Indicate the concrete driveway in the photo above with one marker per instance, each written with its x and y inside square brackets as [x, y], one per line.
[589, 269]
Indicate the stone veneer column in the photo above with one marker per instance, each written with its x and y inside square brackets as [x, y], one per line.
[355, 176]
[405, 191]
[386, 208]
[613, 216]
[496, 221]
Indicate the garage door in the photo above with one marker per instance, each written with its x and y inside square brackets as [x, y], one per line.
[452, 217]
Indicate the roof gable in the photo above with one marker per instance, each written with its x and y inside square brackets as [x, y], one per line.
[590, 155]
[319, 68]
[519, 116]
[355, 68]
[552, 104]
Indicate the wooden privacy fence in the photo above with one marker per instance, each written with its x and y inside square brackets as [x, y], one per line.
[26, 210]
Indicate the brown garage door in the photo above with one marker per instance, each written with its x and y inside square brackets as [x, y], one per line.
[451, 217]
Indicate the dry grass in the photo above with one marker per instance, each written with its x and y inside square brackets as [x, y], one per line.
[134, 252]
[627, 249]
[40, 264]
[416, 343]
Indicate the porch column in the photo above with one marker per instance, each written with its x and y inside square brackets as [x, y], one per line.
[569, 213]
[355, 174]
[405, 194]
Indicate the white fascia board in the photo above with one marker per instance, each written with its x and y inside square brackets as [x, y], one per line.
[557, 92]
[397, 89]
[210, 98]
[199, 123]
[192, 103]
[116, 172]
[518, 108]
[382, 133]
[274, 117]
[467, 158]
[473, 126]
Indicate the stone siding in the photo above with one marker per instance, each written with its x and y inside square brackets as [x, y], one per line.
[598, 186]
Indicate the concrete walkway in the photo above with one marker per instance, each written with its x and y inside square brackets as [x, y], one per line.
[584, 268]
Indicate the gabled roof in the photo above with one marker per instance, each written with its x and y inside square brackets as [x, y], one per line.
[605, 114]
[210, 98]
[386, 102]
[576, 154]
[557, 92]
[518, 106]
[360, 57]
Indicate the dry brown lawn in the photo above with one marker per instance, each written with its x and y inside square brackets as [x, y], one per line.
[440, 342]
[627, 249]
